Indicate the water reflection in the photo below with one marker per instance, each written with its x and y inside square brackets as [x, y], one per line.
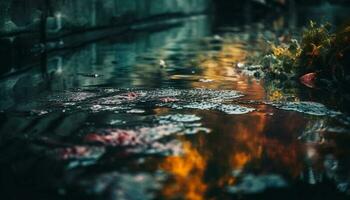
[188, 172]
[81, 108]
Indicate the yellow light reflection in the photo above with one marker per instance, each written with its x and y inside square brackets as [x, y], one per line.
[248, 142]
[188, 171]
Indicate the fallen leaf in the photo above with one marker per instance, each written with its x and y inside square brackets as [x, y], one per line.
[309, 79]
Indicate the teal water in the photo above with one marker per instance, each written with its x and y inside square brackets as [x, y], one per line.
[166, 114]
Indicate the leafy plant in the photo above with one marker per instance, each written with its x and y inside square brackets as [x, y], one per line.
[320, 51]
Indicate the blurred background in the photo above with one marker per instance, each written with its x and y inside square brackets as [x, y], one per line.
[25, 26]
[57, 57]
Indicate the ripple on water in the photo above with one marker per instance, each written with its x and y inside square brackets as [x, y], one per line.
[136, 111]
[120, 185]
[307, 107]
[188, 122]
[251, 184]
[226, 108]
[79, 153]
[72, 96]
[98, 108]
[127, 100]
[193, 94]
[235, 109]
[180, 118]
[149, 139]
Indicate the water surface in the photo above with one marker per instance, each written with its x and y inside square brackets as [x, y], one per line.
[166, 114]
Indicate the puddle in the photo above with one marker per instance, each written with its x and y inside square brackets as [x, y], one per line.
[129, 100]
[122, 127]
[150, 140]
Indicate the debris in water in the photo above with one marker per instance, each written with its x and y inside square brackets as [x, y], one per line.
[309, 80]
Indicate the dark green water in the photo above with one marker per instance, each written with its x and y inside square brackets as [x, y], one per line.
[166, 114]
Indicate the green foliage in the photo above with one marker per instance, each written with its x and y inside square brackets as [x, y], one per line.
[317, 45]
[320, 50]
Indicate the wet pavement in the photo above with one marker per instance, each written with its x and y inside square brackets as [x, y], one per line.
[166, 114]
